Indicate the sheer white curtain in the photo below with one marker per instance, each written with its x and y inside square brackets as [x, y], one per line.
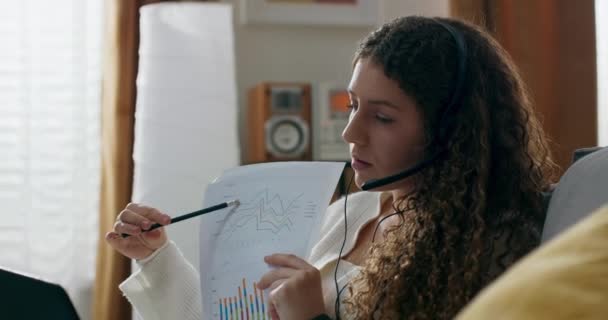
[49, 140]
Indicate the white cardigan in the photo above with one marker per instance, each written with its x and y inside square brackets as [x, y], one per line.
[167, 286]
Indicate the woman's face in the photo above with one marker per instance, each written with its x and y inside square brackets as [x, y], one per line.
[385, 131]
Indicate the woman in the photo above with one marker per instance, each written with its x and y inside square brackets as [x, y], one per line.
[435, 93]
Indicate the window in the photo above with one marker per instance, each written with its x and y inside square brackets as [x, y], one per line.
[49, 140]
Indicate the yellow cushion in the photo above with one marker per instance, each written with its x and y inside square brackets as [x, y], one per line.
[566, 278]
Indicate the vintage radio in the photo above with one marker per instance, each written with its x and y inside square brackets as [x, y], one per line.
[278, 122]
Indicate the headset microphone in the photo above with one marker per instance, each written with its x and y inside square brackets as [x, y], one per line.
[377, 183]
[444, 122]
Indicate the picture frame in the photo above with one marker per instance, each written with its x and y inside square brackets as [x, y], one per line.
[354, 13]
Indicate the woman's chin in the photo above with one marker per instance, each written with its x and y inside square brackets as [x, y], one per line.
[360, 179]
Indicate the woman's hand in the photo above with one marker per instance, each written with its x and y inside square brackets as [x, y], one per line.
[134, 220]
[295, 288]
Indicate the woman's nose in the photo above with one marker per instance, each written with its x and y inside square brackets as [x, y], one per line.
[354, 132]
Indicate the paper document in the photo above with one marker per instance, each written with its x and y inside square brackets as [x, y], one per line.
[281, 208]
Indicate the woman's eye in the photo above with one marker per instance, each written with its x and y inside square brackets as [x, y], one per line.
[383, 118]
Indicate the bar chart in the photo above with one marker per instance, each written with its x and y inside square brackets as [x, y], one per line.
[244, 305]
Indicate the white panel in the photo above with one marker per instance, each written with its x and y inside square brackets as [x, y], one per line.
[186, 117]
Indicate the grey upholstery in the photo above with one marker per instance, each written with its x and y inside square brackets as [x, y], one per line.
[582, 189]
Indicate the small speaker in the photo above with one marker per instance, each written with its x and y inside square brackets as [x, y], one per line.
[330, 117]
[279, 122]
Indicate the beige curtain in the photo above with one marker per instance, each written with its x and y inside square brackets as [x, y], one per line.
[118, 106]
[553, 44]
[476, 11]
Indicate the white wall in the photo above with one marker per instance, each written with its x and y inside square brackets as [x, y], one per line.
[601, 33]
[397, 8]
[307, 53]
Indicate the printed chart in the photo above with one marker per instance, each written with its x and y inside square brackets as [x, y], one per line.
[244, 305]
[275, 215]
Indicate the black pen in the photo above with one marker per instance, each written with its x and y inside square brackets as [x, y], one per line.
[192, 215]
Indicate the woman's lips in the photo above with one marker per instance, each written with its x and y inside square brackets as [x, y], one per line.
[359, 164]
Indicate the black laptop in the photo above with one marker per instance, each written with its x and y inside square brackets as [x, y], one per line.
[25, 297]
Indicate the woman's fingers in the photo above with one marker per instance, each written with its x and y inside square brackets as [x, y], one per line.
[134, 221]
[136, 218]
[127, 216]
[274, 315]
[150, 238]
[149, 213]
[288, 265]
[273, 275]
[126, 228]
[128, 247]
[275, 285]
[272, 295]
[287, 260]
[294, 287]
[116, 240]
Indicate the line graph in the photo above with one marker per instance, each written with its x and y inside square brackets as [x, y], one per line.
[268, 212]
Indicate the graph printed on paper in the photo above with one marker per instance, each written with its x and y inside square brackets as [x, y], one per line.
[267, 220]
[266, 212]
[247, 302]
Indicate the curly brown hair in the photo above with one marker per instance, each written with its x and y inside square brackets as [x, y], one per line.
[479, 207]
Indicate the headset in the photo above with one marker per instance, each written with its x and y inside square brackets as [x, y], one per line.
[445, 125]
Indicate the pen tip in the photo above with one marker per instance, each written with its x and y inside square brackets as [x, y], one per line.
[235, 202]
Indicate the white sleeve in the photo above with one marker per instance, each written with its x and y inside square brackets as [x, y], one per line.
[165, 287]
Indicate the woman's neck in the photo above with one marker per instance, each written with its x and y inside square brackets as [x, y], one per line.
[387, 208]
